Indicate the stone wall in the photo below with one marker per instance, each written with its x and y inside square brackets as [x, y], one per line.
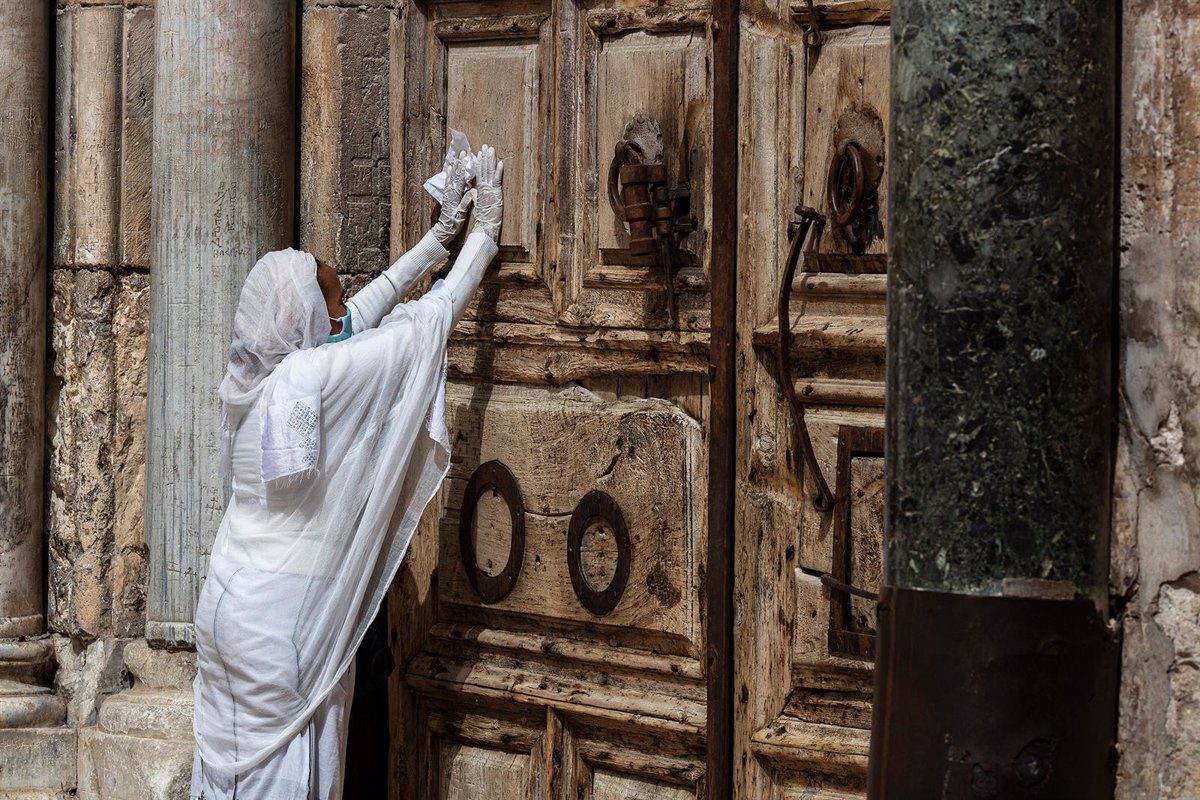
[128, 701]
[1156, 537]
[345, 160]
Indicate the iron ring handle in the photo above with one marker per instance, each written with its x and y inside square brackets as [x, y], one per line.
[824, 499]
[848, 157]
[813, 38]
[626, 152]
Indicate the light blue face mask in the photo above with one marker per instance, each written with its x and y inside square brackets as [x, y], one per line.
[346, 328]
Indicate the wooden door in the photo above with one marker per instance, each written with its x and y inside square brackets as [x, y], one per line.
[549, 618]
[803, 643]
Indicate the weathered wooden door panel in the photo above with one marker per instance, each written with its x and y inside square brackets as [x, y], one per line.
[470, 772]
[562, 445]
[489, 77]
[643, 64]
[846, 99]
[549, 617]
[601, 763]
[804, 630]
[615, 786]
[469, 755]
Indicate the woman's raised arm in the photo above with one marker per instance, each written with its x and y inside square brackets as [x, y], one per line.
[369, 305]
[480, 247]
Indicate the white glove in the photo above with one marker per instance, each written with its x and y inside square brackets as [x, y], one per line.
[456, 200]
[489, 201]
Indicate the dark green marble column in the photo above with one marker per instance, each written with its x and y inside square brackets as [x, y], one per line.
[1000, 300]
[1000, 403]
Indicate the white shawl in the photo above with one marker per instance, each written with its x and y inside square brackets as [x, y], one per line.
[354, 446]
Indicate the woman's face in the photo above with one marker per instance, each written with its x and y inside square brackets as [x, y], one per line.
[331, 288]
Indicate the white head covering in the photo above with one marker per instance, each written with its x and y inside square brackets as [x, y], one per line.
[281, 310]
[358, 428]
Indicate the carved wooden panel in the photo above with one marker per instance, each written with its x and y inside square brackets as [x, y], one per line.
[468, 773]
[651, 65]
[845, 99]
[564, 444]
[608, 785]
[857, 541]
[489, 81]
[655, 75]
[510, 124]
[482, 753]
[802, 643]
[605, 764]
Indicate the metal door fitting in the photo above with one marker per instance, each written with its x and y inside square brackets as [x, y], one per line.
[807, 237]
[655, 213]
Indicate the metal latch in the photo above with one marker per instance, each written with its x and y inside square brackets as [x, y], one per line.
[839, 586]
[810, 19]
[655, 212]
[851, 194]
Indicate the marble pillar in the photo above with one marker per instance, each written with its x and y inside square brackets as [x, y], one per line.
[224, 174]
[996, 666]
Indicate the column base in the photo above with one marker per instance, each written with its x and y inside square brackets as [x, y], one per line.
[36, 750]
[39, 763]
[992, 697]
[141, 747]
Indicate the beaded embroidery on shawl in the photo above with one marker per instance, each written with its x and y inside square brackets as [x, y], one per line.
[291, 436]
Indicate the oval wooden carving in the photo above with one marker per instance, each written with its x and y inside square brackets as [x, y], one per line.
[598, 505]
[492, 475]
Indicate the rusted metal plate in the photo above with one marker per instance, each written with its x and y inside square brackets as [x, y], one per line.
[992, 697]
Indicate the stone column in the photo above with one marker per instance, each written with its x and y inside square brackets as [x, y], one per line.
[37, 754]
[996, 670]
[223, 187]
[24, 87]
[223, 194]
[100, 307]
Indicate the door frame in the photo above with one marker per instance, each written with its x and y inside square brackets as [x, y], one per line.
[718, 620]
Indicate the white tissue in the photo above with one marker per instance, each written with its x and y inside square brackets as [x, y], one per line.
[436, 185]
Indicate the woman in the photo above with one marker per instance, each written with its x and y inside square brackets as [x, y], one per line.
[335, 442]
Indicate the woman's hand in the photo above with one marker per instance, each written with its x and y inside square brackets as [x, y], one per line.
[456, 200]
[489, 201]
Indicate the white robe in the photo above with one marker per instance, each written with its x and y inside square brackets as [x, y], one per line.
[333, 458]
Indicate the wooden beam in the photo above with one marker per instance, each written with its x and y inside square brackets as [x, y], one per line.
[847, 12]
[718, 633]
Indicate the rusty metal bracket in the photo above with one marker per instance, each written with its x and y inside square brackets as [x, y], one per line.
[810, 220]
[847, 184]
[655, 213]
[810, 19]
[839, 586]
